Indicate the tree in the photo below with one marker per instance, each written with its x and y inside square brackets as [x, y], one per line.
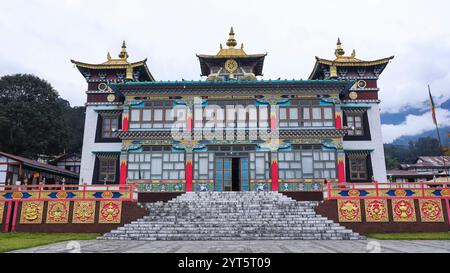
[32, 117]
[397, 154]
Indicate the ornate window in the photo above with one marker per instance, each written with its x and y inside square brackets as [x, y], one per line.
[107, 170]
[156, 164]
[157, 115]
[109, 127]
[358, 167]
[307, 162]
[355, 124]
[306, 113]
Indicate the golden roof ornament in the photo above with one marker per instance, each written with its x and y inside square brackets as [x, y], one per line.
[231, 43]
[339, 51]
[124, 54]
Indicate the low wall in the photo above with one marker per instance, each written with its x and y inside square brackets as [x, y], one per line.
[304, 196]
[364, 223]
[48, 216]
[151, 197]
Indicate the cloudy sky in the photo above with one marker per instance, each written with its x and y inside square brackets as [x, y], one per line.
[41, 37]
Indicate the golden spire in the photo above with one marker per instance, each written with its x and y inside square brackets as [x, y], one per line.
[339, 51]
[124, 54]
[231, 43]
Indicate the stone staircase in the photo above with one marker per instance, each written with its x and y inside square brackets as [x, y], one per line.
[232, 216]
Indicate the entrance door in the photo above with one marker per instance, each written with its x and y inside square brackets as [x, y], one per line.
[228, 174]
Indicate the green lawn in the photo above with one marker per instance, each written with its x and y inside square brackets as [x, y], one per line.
[410, 236]
[14, 241]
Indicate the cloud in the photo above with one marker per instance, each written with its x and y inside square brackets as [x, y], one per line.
[414, 125]
[40, 37]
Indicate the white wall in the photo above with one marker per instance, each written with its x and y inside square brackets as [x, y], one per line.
[89, 145]
[377, 156]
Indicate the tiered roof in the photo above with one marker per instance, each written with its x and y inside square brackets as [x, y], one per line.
[119, 63]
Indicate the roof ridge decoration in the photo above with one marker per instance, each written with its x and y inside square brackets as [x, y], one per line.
[341, 60]
[231, 51]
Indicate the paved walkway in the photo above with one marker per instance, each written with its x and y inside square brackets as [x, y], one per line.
[362, 246]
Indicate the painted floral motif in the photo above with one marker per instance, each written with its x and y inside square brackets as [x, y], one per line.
[403, 210]
[31, 212]
[349, 211]
[110, 212]
[431, 210]
[376, 210]
[83, 212]
[57, 212]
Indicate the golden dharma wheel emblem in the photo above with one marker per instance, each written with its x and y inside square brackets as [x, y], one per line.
[102, 86]
[361, 84]
[231, 65]
[111, 97]
[353, 95]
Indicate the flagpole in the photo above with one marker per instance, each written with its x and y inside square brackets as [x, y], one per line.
[438, 134]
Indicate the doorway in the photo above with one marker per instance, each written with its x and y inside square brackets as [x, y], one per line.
[228, 171]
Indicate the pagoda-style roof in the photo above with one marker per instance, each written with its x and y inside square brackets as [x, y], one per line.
[256, 87]
[119, 63]
[207, 61]
[346, 61]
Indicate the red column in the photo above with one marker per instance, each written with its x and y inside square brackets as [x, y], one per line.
[123, 172]
[341, 170]
[125, 123]
[189, 175]
[274, 174]
[338, 120]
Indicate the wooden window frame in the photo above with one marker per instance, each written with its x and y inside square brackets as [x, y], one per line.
[110, 133]
[361, 174]
[351, 117]
[108, 172]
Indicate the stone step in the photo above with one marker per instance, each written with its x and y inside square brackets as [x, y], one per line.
[232, 216]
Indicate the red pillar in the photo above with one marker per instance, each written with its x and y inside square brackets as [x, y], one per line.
[274, 174]
[341, 170]
[189, 175]
[125, 123]
[338, 121]
[123, 172]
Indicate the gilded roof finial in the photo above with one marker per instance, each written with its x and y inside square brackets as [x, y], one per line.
[231, 41]
[124, 54]
[108, 56]
[339, 51]
[353, 53]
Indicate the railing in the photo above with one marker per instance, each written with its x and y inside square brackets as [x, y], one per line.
[415, 190]
[45, 192]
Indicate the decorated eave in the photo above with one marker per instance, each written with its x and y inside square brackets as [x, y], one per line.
[120, 63]
[283, 133]
[346, 61]
[257, 87]
[255, 60]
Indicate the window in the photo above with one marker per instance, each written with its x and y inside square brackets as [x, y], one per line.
[107, 170]
[305, 113]
[203, 166]
[109, 127]
[259, 165]
[358, 168]
[355, 124]
[156, 162]
[307, 162]
[156, 115]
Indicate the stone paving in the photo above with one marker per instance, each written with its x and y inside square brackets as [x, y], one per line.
[269, 246]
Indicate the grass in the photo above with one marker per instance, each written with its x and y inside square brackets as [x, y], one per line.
[14, 241]
[410, 236]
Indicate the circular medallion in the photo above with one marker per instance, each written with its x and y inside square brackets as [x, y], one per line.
[111, 97]
[231, 65]
[102, 86]
[361, 84]
[353, 95]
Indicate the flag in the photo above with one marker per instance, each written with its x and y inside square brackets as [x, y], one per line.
[433, 107]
